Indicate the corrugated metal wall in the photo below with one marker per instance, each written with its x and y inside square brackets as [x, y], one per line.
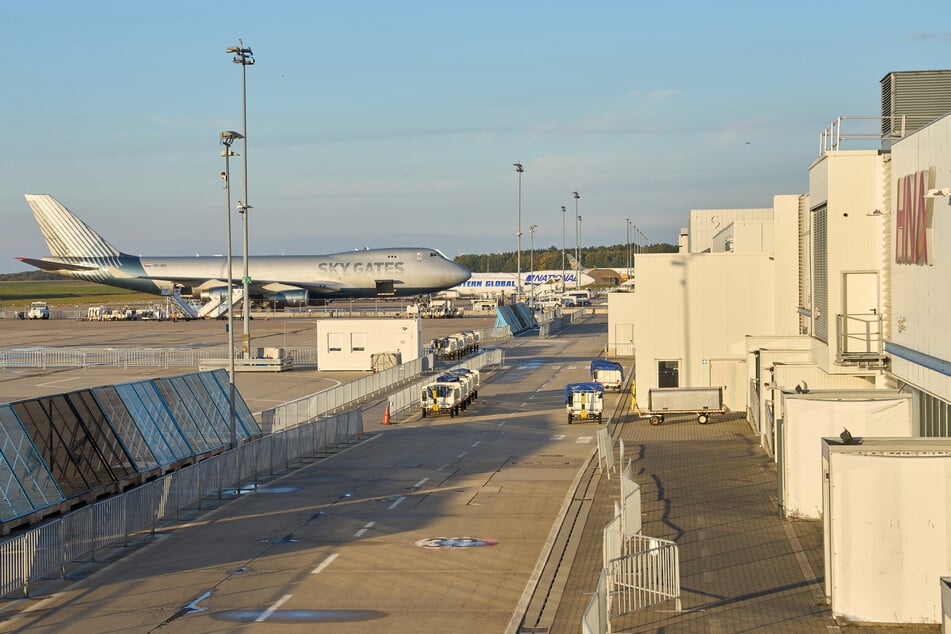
[920, 96]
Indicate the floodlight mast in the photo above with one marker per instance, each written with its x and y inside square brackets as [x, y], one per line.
[576, 196]
[518, 233]
[227, 137]
[244, 56]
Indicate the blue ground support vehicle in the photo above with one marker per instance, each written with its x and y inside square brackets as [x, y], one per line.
[584, 400]
[610, 374]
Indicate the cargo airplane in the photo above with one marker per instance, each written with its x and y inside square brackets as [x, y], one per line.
[505, 284]
[77, 251]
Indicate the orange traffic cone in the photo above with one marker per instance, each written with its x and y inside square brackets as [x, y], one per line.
[386, 415]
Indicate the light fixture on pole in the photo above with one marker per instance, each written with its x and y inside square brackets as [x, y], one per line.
[245, 57]
[577, 242]
[531, 239]
[227, 137]
[564, 215]
[518, 231]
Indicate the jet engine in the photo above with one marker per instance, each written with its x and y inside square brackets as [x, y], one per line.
[288, 298]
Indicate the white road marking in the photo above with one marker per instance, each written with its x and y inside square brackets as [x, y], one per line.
[584, 440]
[363, 530]
[477, 443]
[326, 562]
[423, 481]
[558, 437]
[461, 455]
[271, 610]
[396, 503]
[53, 383]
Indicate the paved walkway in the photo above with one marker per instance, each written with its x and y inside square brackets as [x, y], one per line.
[711, 489]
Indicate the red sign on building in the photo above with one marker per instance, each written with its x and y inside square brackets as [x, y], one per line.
[913, 219]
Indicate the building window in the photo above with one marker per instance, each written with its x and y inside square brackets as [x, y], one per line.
[335, 341]
[668, 374]
[358, 342]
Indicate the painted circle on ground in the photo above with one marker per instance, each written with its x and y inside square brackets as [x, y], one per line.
[433, 543]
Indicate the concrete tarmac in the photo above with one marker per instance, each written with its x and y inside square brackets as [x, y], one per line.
[432, 524]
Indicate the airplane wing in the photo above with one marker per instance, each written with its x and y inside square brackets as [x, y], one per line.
[319, 287]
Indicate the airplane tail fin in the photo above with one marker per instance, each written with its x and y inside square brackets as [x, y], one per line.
[66, 235]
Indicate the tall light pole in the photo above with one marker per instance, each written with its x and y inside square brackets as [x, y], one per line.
[227, 137]
[245, 57]
[518, 230]
[628, 248]
[564, 215]
[577, 242]
[531, 239]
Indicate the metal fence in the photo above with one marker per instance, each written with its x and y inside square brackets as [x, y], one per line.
[133, 357]
[594, 620]
[648, 575]
[408, 397]
[638, 571]
[605, 451]
[310, 407]
[46, 551]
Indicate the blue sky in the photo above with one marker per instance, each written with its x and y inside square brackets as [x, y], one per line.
[396, 123]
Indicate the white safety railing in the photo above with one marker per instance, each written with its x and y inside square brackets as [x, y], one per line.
[594, 619]
[605, 451]
[646, 576]
[559, 323]
[135, 357]
[630, 510]
[310, 407]
[78, 536]
[638, 571]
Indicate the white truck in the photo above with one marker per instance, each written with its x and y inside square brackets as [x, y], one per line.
[39, 310]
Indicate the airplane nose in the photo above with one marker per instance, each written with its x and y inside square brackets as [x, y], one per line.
[458, 274]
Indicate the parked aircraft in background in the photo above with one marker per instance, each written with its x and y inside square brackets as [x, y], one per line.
[506, 284]
[77, 251]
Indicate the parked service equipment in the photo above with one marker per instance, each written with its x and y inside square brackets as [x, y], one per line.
[465, 383]
[701, 401]
[39, 310]
[584, 400]
[472, 376]
[441, 397]
[456, 345]
[610, 374]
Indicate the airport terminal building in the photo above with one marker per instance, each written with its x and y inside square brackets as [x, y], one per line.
[822, 318]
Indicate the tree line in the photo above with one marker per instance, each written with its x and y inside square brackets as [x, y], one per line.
[614, 256]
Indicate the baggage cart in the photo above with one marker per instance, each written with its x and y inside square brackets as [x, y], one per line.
[584, 400]
[700, 401]
[610, 374]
